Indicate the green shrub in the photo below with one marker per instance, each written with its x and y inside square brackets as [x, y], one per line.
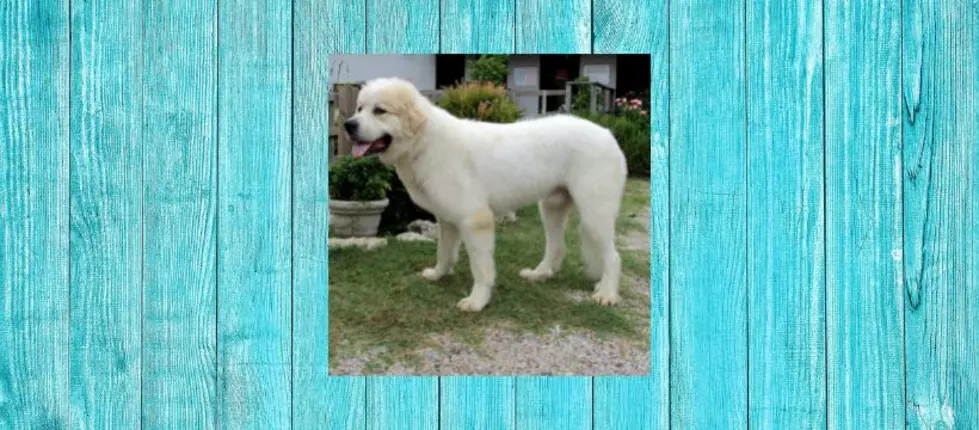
[580, 100]
[489, 68]
[483, 101]
[359, 179]
[632, 132]
[581, 97]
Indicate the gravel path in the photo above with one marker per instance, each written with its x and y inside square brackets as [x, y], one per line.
[507, 351]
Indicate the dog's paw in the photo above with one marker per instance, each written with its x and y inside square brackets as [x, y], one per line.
[471, 304]
[534, 275]
[430, 274]
[605, 298]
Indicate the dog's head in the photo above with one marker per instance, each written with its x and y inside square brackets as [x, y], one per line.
[389, 117]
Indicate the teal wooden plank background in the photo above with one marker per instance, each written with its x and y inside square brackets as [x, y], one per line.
[105, 215]
[180, 205]
[865, 291]
[815, 226]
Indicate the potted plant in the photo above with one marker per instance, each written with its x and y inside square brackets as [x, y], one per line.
[358, 195]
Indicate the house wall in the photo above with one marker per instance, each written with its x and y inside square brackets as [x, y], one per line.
[594, 63]
[531, 65]
[419, 69]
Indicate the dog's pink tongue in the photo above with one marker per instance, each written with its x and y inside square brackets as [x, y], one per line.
[360, 149]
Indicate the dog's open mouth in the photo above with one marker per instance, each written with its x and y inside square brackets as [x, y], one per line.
[363, 149]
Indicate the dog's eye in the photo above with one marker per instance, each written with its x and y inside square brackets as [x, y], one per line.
[379, 111]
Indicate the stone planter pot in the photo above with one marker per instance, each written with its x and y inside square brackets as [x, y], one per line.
[356, 218]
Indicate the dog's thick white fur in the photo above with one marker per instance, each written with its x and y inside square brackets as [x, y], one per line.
[465, 171]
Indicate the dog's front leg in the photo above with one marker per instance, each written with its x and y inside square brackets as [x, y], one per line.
[477, 233]
[448, 251]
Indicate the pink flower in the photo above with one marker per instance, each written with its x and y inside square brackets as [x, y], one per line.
[637, 102]
[642, 112]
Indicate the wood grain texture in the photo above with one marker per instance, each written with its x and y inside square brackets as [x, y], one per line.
[472, 402]
[630, 402]
[178, 192]
[940, 86]
[403, 26]
[708, 374]
[106, 214]
[967, 392]
[554, 402]
[659, 184]
[402, 402]
[318, 400]
[630, 27]
[786, 261]
[477, 26]
[336, 26]
[34, 69]
[554, 26]
[254, 215]
[627, 402]
[864, 282]
[179, 236]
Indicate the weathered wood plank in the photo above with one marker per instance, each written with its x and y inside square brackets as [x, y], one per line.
[786, 262]
[554, 402]
[940, 88]
[553, 27]
[708, 374]
[254, 211]
[477, 27]
[179, 236]
[403, 26]
[321, 28]
[342, 26]
[864, 287]
[968, 355]
[630, 27]
[105, 215]
[34, 94]
[627, 402]
[402, 402]
[630, 402]
[472, 402]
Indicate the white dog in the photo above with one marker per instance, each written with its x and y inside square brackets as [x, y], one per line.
[465, 171]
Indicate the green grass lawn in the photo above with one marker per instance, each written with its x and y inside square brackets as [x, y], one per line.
[378, 299]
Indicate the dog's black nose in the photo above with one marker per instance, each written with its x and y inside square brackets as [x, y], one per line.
[350, 125]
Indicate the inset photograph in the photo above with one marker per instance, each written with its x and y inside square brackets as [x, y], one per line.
[489, 215]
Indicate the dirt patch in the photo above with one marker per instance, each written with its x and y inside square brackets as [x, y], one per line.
[638, 239]
[505, 352]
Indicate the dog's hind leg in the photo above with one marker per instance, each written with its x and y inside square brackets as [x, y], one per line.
[478, 236]
[554, 212]
[448, 251]
[598, 210]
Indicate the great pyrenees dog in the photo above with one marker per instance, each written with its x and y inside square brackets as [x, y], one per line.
[465, 172]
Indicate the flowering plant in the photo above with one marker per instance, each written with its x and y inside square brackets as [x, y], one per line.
[630, 105]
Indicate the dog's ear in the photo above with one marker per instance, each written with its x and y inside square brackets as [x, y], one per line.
[413, 115]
